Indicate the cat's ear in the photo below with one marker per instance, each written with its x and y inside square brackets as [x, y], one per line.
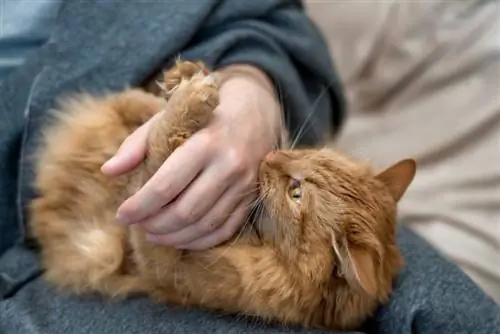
[355, 264]
[398, 177]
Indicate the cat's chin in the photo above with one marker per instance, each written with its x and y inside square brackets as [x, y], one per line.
[264, 224]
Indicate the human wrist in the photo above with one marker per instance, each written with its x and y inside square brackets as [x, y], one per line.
[248, 72]
[254, 75]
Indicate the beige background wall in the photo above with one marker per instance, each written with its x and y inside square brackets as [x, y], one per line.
[423, 80]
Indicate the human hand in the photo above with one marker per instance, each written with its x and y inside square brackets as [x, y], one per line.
[201, 195]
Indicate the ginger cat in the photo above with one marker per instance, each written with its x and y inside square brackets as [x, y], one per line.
[321, 251]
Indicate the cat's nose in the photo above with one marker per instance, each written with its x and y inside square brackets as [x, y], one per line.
[271, 155]
[275, 157]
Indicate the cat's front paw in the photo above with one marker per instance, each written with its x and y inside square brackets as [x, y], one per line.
[204, 91]
[190, 109]
[183, 70]
[196, 100]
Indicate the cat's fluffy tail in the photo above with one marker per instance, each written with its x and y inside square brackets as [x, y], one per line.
[91, 258]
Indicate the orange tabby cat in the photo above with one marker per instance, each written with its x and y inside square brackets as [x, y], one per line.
[321, 253]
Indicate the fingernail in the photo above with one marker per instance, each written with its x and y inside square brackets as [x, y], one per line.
[152, 238]
[122, 219]
[109, 162]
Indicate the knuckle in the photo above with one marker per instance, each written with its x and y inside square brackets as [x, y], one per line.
[250, 181]
[237, 162]
[210, 226]
[185, 215]
[152, 227]
[164, 240]
[161, 191]
[228, 230]
[156, 225]
[206, 138]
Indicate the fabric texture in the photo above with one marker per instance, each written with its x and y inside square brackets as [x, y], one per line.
[422, 80]
[24, 27]
[431, 296]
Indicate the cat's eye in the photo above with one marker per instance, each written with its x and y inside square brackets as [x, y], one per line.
[295, 191]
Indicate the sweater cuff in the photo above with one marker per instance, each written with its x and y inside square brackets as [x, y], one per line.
[297, 62]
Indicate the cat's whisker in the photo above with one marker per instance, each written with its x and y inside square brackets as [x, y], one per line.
[250, 206]
[160, 85]
[282, 125]
[306, 123]
[258, 205]
[258, 211]
[251, 191]
[172, 90]
[281, 138]
[284, 122]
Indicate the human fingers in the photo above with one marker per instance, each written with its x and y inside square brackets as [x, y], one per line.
[178, 171]
[131, 152]
[226, 231]
[193, 204]
[217, 215]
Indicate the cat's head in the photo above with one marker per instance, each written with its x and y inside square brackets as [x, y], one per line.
[332, 218]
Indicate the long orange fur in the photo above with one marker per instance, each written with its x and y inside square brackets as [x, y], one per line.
[322, 252]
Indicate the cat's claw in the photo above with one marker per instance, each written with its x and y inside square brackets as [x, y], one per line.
[209, 80]
[206, 99]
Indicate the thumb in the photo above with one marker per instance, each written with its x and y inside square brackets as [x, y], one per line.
[131, 152]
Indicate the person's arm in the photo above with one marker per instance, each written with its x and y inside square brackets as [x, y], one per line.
[201, 195]
[279, 38]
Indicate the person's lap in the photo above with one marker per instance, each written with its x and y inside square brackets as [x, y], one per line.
[431, 296]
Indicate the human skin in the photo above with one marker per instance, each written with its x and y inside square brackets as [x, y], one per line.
[202, 193]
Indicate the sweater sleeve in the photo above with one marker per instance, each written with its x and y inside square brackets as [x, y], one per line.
[277, 37]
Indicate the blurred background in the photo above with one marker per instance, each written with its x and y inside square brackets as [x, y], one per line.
[423, 81]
